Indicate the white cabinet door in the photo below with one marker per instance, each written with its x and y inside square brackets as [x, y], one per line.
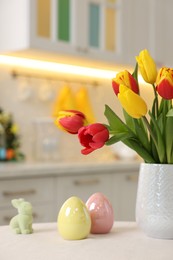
[136, 28]
[53, 25]
[34, 190]
[39, 191]
[125, 190]
[100, 30]
[148, 26]
[162, 31]
[82, 186]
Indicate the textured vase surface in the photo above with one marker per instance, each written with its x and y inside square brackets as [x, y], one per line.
[154, 205]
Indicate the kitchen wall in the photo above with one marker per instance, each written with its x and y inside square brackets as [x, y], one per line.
[31, 101]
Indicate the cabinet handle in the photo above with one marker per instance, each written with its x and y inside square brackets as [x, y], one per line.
[132, 178]
[78, 49]
[86, 182]
[18, 193]
[82, 50]
[7, 219]
[85, 50]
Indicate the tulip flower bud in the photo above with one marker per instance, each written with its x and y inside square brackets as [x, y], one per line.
[93, 137]
[126, 79]
[70, 121]
[147, 66]
[132, 103]
[164, 83]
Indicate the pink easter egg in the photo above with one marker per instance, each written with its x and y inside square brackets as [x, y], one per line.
[101, 213]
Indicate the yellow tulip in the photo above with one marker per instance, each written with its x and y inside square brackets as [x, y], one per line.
[132, 103]
[147, 66]
[124, 78]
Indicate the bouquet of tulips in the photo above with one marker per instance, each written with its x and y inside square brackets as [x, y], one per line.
[148, 131]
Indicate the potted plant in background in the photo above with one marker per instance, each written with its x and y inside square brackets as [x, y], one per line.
[148, 131]
[9, 138]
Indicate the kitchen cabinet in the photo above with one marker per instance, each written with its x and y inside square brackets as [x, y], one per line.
[138, 24]
[150, 29]
[119, 187]
[124, 186]
[47, 187]
[109, 32]
[38, 191]
[83, 186]
[99, 30]
[162, 38]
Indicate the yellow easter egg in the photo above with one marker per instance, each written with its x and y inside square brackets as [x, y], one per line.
[74, 221]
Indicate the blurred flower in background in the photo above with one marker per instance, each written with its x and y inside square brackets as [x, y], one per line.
[9, 138]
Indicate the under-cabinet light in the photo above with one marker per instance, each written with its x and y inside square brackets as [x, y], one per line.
[59, 68]
[56, 67]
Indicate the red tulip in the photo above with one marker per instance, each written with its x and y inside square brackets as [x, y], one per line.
[126, 79]
[70, 120]
[93, 137]
[164, 83]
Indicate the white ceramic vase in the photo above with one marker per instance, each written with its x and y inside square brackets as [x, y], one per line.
[154, 205]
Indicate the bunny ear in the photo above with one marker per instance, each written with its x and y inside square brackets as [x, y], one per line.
[16, 202]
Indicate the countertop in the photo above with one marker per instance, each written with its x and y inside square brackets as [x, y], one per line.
[27, 169]
[124, 242]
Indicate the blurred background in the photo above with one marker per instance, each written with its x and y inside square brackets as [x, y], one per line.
[56, 53]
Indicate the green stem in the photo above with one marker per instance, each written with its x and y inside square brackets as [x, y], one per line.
[169, 104]
[156, 99]
[150, 130]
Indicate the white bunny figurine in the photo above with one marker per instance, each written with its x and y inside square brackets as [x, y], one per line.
[22, 223]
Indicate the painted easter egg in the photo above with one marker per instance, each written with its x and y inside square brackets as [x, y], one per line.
[101, 212]
[74, 220]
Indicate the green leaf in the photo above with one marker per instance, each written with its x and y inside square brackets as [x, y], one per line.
[135, 72]
[161, 123]
[170, 113]
[161, 106]
[159, 140]
[118, 137]
[169, 139]
[154, 151]
[142, 134]
[165, 106]
[116, 124]
[154, 106]
[129, 120]
[140, 150]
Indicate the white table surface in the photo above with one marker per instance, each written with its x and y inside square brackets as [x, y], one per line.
[124, 242]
